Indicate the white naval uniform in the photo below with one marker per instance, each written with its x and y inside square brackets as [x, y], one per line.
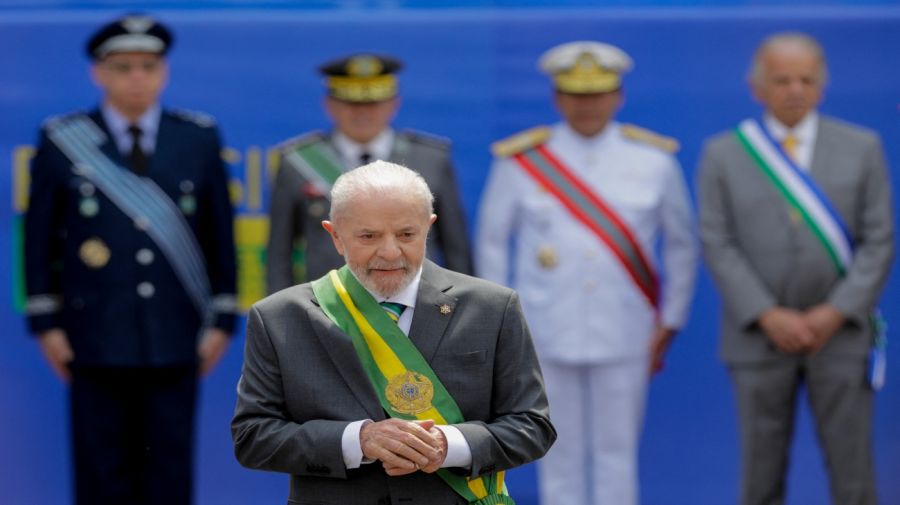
[591, 324]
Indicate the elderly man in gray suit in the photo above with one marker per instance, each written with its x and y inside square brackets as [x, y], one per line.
[362, 100]
[390, 380]
[797, 228]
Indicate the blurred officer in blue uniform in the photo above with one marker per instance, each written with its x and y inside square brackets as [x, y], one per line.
[585, 203]
[130, 269]
[361, 102]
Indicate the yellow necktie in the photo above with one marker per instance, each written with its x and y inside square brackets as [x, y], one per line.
[789, 144]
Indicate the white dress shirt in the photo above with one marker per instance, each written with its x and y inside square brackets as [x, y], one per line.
[585, 308]
[458, 452]
[118, 126]
[804, 133]
[350, 151]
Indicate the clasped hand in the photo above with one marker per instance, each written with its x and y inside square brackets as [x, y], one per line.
[795, 331]
[404, 447]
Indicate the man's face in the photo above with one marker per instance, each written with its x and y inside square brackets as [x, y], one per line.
[383, 240]
[588, 114]
[789, 83]
[362, 122]
[131, 82]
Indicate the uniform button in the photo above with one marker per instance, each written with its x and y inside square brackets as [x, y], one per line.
[141, 223]
[144, 256]
[145, 290]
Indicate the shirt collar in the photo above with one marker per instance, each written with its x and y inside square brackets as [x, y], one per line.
[569, 135]
[804, 131]
[118, 124]
[378, 148]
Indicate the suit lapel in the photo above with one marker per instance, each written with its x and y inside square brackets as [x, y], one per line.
[109, 147]
[823, 151]
[434, 309]
[341, 351]
[166, 142]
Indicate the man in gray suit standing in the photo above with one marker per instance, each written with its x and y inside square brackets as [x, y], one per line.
[391, 379]
[361, 102]
[797, 228]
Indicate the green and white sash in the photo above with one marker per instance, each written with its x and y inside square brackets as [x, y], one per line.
[406, 385]
[803, 195]
[318, 163]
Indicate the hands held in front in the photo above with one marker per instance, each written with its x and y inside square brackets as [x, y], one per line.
[211, 348]
[795, 331]
[404, 447]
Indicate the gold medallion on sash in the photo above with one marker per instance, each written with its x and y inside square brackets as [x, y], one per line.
[409, 393]
[94, 253]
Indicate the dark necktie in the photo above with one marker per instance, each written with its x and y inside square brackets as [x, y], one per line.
[137, 159]
[364, 158]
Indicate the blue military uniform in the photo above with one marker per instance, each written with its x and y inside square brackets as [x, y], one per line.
[130, 256]
[94, 271]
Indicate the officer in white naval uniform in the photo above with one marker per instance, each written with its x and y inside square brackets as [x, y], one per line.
[597, 334]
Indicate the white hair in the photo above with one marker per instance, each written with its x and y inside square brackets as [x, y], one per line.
[378, 179]
[779, 40]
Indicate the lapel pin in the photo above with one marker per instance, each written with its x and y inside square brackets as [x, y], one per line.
[445, 309]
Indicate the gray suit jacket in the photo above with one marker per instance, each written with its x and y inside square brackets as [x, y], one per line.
[761, 255]
[296, 213]
[302, 383]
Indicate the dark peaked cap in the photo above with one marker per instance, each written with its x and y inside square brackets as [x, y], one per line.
[133, 33]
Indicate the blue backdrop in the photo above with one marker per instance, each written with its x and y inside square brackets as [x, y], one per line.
[470, 75]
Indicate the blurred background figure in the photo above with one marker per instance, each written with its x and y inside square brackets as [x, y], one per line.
[797, 228]
[586, 202]
[130, 269]
[361, 101]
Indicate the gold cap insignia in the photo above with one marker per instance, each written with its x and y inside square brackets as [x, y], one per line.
[410, 393]
[587, 76]
[94, 253]
[547, 257]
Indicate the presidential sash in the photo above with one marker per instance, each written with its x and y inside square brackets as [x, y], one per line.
[406, 385]
[805, 197]
[79, 138]
[317, 162]
[587, 207]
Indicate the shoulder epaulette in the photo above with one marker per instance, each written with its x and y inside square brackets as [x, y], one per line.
[637, 133]
[201, 119]
[521, 141]
[304, 139]
[62, 118]
[426, 138]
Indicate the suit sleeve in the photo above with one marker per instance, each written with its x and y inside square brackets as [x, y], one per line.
[519, 431]
[496, 223]
[679, 250]
[284, 225]
[856, 293]
[452, 236]
[744, 293]
[265, 437]
[44, 235]
[218, 239]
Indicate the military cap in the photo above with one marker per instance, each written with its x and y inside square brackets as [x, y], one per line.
[585, 67]
[362, 77]
[133, 33]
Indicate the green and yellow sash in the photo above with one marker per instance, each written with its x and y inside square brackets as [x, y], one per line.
[406, 385]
